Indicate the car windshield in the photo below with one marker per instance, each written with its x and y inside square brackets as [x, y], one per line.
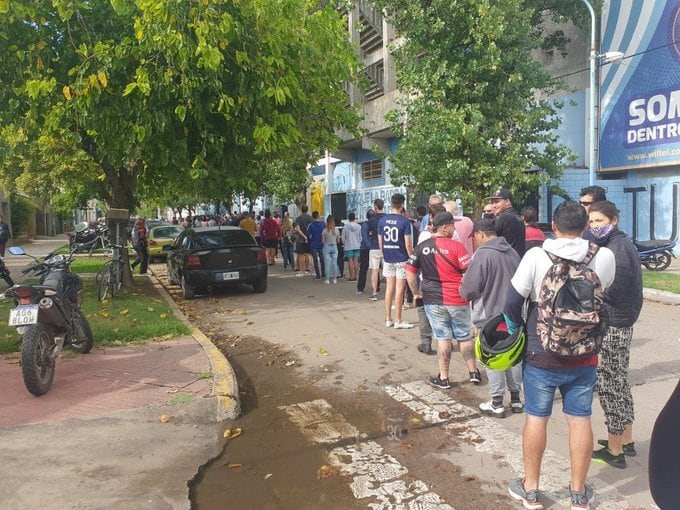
[170, 232]
[219, 238]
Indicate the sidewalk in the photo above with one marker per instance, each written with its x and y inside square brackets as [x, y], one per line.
[122, 427]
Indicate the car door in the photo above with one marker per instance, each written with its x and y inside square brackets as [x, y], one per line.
[177, 255]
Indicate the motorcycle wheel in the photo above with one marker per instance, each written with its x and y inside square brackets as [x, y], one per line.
[8, 279]
[83, 339]
[658, 263]
[37, 365]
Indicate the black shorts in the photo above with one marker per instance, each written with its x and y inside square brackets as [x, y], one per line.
[271, 243]
[302, 248]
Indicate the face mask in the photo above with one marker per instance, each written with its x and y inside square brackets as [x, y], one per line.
[600, 232]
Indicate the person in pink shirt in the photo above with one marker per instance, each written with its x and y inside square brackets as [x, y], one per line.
[463, 226]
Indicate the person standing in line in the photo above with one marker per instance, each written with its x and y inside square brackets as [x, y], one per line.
[270, 236]
[394, 239]
[485, 284]
[375, 256]
[339, 227]
[287, 239]
[623, 303]
[534, 236]
[329, 238]
[139, 243]
[508, 223]
[315, 239]
[302, 223]
[351, 239]
[487, 212]
[442, 261]
[364, 254]
[425, 222]
[249, 224]
[463, 226]
[543, 373]
[4, 235]
[589, 195]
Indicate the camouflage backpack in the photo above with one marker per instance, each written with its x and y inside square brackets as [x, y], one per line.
[570, 311]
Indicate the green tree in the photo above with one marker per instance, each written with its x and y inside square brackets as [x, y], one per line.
[473, 115]
[160, 92]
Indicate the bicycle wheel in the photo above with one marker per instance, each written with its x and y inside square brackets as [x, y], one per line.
[104, 282]
[116, 277]
[102, 270]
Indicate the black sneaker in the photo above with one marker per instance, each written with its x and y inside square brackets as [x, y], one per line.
[516, 406]
[628, 449]
[475, 377]
[440, 383]
[604, 456]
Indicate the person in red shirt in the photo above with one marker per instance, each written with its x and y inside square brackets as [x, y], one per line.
[442, 262]
[534, 235]
[271, 233]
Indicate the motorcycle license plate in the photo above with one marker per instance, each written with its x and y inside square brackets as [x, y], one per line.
[23, 315]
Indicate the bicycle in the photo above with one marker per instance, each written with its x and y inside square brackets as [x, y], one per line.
[110, 276]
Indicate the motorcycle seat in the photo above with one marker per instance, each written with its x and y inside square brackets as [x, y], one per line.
[652, 244]
[55, 282]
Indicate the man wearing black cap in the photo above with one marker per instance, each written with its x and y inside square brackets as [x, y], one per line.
[442, 262]
[508, 223]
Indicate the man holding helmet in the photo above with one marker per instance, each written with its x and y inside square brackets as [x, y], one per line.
[486, 284]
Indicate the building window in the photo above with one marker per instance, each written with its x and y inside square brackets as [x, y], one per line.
[372, 170]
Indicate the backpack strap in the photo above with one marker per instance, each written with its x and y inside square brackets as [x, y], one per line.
[592, 250]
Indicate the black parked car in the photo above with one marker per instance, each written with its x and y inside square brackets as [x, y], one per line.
[205, 258]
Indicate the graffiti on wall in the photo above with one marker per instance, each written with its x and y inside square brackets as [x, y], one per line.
[359, 202]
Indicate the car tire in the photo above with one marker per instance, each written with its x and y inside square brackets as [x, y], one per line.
[260, 286]
[187, 292]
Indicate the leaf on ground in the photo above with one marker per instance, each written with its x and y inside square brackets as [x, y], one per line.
[415, 420]
[124, 312]
[322, 352]
[104, 313]
[151, 309]
[165, 418]
[232, 466]
[163, 315]
[325, 472]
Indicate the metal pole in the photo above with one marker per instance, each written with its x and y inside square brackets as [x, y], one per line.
[592, 160]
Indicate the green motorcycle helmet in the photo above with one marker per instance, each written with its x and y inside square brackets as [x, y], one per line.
[498, 350]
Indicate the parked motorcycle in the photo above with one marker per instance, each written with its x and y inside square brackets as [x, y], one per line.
[48, 318]
[655, 255]
[4, 272]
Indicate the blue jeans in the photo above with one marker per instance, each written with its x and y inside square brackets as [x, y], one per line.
[330, 257]
[575, 384]
[287, 254]
[450, 322]
[317, 257]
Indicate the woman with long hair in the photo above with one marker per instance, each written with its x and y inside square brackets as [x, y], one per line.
[622, 302]
[329, 238]
[287, 234]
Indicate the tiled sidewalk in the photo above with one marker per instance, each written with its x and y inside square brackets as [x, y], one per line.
[105, 380]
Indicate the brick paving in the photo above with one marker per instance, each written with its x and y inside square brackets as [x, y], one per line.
[105, 380]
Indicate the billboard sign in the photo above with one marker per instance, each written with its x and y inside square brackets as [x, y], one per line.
[640, 98]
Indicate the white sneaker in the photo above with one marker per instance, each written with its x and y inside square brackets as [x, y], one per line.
[326, 282]
[403, 325]
[389, 324]
[335, 280]
[299, 275]
[490, 409]
[359, 292]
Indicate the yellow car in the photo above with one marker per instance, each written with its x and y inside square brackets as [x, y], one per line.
[159, 236]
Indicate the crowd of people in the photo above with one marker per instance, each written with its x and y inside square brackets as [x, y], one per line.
[462, 273]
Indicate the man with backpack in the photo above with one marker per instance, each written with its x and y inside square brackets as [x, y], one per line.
[563, 282]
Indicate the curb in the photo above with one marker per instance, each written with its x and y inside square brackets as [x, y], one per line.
[660, 296]
[225, 385]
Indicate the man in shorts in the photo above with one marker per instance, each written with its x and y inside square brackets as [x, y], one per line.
[302, 250]
[375, 253]
[544, 373]
[442, 262]
[394, 240]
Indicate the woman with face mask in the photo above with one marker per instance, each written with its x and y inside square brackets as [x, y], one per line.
[622, 302]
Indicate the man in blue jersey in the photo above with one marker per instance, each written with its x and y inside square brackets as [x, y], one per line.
[394, 238]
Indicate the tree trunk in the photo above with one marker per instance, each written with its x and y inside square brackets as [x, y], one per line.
[121, 185]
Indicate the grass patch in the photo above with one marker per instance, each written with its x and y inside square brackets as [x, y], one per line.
[87, 264]
[205, 375]
[180, 399]
[134, 317]
[669, 282]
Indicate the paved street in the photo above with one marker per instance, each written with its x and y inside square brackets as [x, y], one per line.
[334, 344]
